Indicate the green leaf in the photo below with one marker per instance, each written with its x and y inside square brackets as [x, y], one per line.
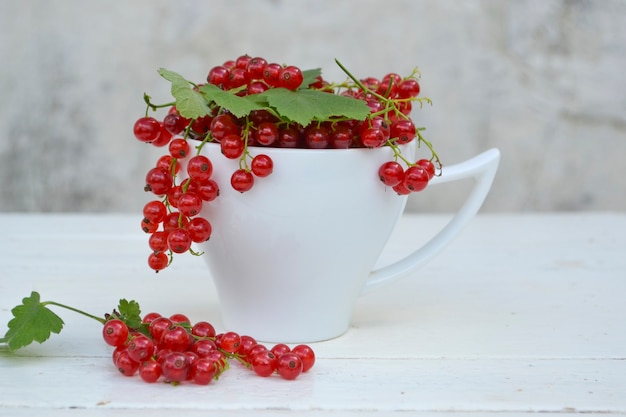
[32, 322]
[130, 313]
[310, 76]
[239, 106]
[304, 106]
[189, 102]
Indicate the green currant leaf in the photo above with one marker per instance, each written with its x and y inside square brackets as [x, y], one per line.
[310, 76]
[32, 322]
[239, 106]
[130, 313]
[304, 106]
[189, 102]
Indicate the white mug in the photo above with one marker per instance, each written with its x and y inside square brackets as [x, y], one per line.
[290, 257]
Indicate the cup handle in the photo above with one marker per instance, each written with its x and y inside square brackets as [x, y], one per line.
[483, 169]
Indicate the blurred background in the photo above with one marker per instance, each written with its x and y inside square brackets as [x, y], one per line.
[542, 80]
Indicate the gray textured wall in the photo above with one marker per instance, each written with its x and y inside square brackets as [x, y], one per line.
[543, 80]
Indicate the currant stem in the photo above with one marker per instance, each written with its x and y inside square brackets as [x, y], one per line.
[54, 303]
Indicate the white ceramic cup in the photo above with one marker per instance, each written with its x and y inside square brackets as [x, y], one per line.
[290, 257]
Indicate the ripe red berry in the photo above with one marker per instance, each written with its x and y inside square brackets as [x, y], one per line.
[158, 181]
[289, 365]
[179, 148]
[264, 363]
[428, 166]
[307, 355]
[199, 168]
[199, 229]
[147, 129]
[115, 332]
[262, 165]
[416, 178]
[150, 371]
[391, 173]
[290, 77]
[189, 204]
[175, 367]
[266, 133]
[158, 261]
[232, 146]
[242, 180]
[179, 240]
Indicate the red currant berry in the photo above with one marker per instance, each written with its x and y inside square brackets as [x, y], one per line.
[158, 261]
[168, 164]
[289, 138]
[255, 68]
[179, 240]
[230, 342]
[266, 133]
[403, 131]
[271, 74]
[189, 204]
[147, 129]
[154, 211]
[115, 332]
[416, 178]
[242, 180]
[158, 326]
[290, 77]
[247, 342]
[257, 87]
[140, 348]
[209, 190]
[158, 241]
[341, 137]
[175, 367]
[202, 347]
[180, 318]
[242, 61]
[389, 85]
[199, 229]
[203, 329]
[175, 338]
[179, 148]
[262, 165]
[199, 168]
[175, 123]
[316, 137]
[150, 371]
[232, 146]
[223, 125]
[219, 76]
[163, 139]
[158, 181]
[174, 220]
[279, 349]
[408, 88]
[125, 364]
[401, 189]
[149, 318]
[148, 226]
[264, 363]
[203, 371]
[391, 173]
[238, 77]
[289, 365]
[307, 355]
[428, 166]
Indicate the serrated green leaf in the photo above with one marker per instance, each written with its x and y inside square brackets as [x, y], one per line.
[189, 102]
[32, 322]
[130, 313]
[310, 76]
[239, 106]
[304, 106]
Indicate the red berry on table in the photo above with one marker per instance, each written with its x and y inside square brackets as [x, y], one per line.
[150, 371]
[264, 363]
[289, 365]
[306, 353]
[115, 332]
[175, 367]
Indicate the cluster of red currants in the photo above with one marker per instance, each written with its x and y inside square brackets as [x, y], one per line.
[172, 350]
[173, 222]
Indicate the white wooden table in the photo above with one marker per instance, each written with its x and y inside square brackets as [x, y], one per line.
[521, 314]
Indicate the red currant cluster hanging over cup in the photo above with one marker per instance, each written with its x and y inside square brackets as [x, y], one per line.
[235, 109]
[171, 349]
